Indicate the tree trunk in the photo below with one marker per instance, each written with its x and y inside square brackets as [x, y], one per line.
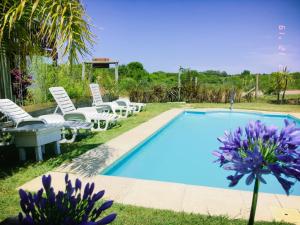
[278, 95]
[5, 81]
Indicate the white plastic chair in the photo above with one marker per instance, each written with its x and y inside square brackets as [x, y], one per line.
[122, 111]
[137, 106]
[101, 121]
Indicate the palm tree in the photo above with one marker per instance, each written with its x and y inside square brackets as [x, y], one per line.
[40, 27]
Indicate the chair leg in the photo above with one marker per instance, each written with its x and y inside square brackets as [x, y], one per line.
[123, 113]
[57, 148]
[38, 153]
[118, 113]
[126, 113]
[63, 136]
[22, 154]
[136, 109]
[73, 132]
[43, 147]
[131, 112]
[107, 122]
[139, 108]
[99, 128]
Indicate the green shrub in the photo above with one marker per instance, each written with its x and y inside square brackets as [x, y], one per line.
[46, 75]
[141, 86]
[189, 93]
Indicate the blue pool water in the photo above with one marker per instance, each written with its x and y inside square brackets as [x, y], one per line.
[182, 151]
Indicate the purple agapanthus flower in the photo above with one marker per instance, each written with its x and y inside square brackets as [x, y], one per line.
[259, 150]
[67, 207]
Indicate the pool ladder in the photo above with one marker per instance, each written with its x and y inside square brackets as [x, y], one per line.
[231, 104]
[231, 100]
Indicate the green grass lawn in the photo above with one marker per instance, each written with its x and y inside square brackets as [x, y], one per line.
[131, 215]
[13, 174]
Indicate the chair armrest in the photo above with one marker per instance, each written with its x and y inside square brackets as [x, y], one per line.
[75, 116]
[103, 107]
[122, 102]
[52, 118]
[30, 122]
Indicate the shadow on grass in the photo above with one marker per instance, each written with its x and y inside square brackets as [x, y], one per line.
[89, 163]
[10, 164]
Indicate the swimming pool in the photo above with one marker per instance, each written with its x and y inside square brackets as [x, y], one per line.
[181, 151]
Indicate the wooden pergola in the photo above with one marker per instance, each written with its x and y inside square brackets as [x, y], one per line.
[101, 63]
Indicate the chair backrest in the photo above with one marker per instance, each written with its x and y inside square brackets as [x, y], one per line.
[13, 111]
[62, 99]
[97, 98]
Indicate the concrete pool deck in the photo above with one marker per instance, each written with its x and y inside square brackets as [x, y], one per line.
[167, 195]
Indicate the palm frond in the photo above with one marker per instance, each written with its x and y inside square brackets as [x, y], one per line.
[61, 25]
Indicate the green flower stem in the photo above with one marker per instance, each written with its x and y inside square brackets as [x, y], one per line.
[254, 202]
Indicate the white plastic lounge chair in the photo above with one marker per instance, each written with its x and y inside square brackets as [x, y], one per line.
[29, 131]
[138, 107]
[122, 111]
[71, 127]
[101, 121]
[35, 135]
[21, 118]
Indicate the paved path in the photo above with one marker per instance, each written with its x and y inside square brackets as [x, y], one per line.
[292, 92]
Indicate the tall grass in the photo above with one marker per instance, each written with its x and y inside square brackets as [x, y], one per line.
[189, 93]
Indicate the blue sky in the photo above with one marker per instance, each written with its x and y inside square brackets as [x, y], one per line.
[226, 35]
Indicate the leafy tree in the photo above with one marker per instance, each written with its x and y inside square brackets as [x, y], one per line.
[169, 79]
[224, 73]
[135, 66]
[134, 70]
[246, 73]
